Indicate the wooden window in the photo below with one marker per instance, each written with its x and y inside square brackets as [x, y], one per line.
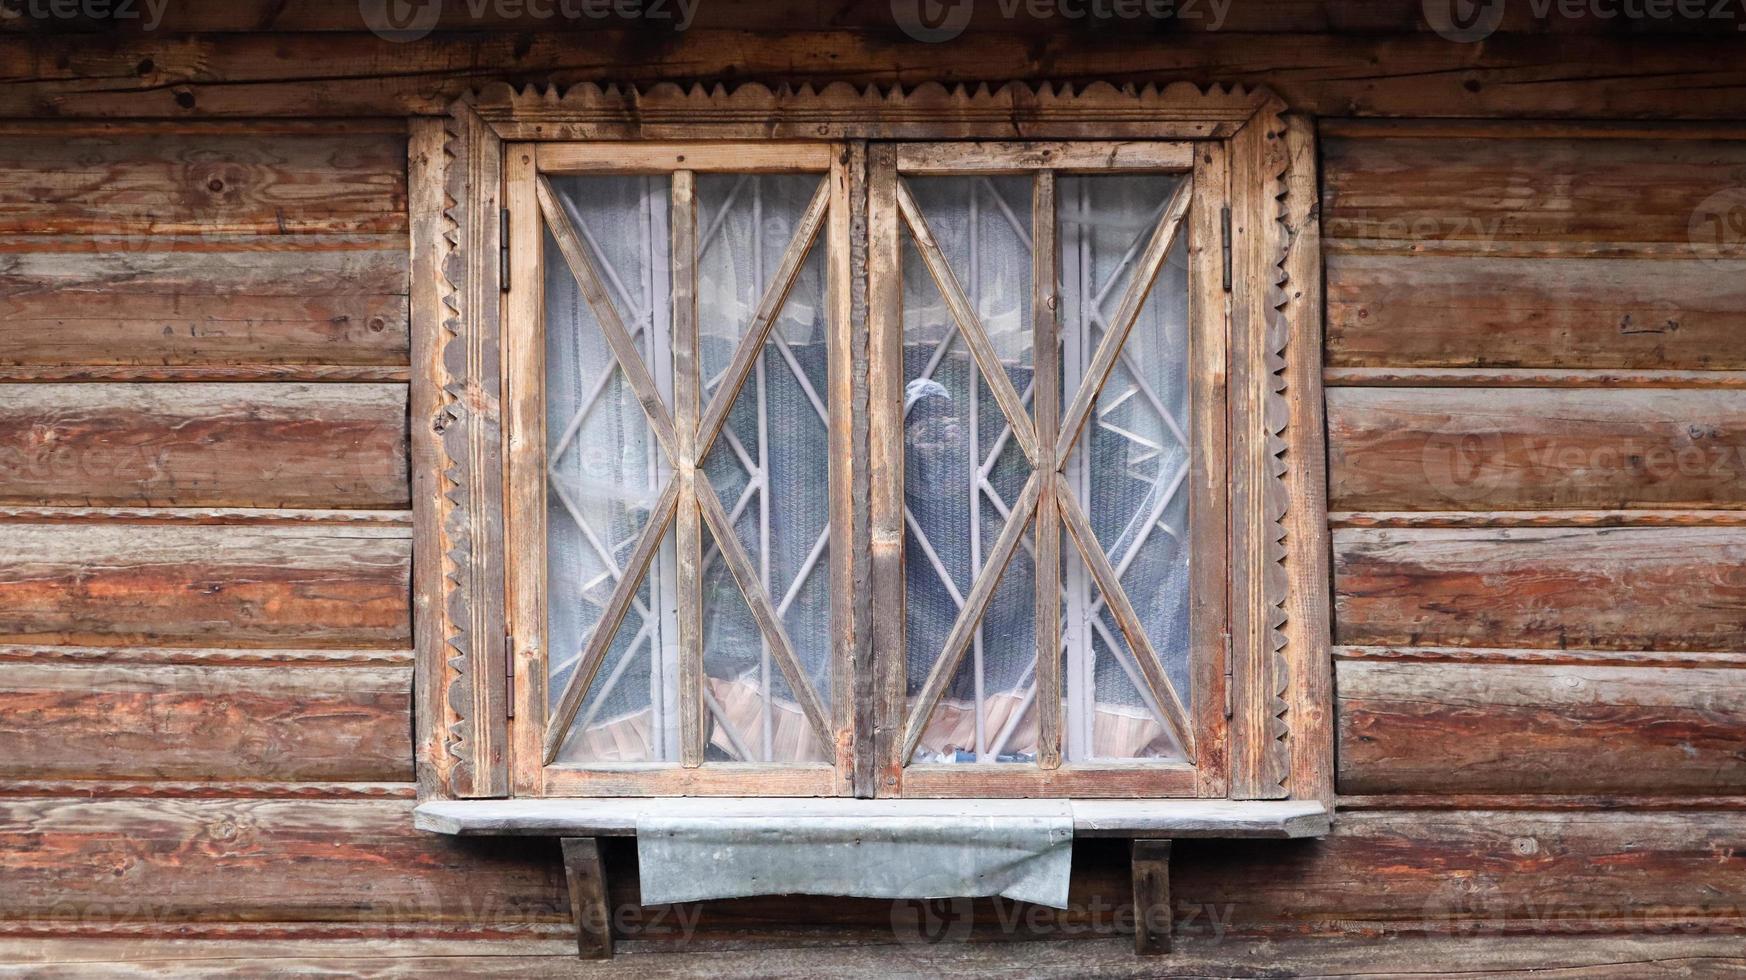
[868, 464]
[1050, 320]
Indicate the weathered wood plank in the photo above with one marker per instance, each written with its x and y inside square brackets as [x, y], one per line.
[206, 184]
[1464, 311]
[205, 586]
[100, 721]
[257, 445]
[155, 301]
[865, 957]
[1496, 728]
[1601, 588]
[1485, 873]
[358, 73]
[159, 863]
[1403, 449]
[586, 876]
[1481, 191]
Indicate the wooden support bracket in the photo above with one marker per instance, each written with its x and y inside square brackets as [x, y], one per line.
[587, 878]
[1152, 914]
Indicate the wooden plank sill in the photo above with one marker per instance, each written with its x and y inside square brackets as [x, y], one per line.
[617, 816]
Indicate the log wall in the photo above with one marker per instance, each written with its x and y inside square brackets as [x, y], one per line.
[1537, 448]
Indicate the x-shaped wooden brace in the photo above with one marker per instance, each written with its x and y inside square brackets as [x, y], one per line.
[1046, 494]
[686, 442]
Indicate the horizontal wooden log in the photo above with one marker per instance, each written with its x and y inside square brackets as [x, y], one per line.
[206, 184]
[99, 721]
[161, 863]
[202, 656]
[1479, 873]
[1602, 588]
[1095, 954]
[181, 445]
[1529, 655]
[1444, 377]
[1538, 518]
[160, 301]
[1495, 190]
[664, 20]
[1462, 311]
[206, 586]
[1492, 728]
[1398, 449]
[169, 76]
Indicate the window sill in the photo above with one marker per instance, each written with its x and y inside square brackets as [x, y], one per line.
[617, 816]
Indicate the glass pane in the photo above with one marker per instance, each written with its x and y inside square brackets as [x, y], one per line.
[605, 471]
[1129, 469]
[631, 711]
[745, 222]
[746, 724]
[770, 465]
[989, 711]
[963, 471]
[1111, 714]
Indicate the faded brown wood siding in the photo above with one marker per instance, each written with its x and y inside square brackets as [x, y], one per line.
[205, 541]
[1554, 335]
[204, 714]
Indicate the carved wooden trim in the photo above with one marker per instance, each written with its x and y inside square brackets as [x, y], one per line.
[1309, 690]
[1260, 492]
[842, 111]
[465, 691]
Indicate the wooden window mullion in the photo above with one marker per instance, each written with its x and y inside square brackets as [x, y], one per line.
[688, 526]
[1046, 405]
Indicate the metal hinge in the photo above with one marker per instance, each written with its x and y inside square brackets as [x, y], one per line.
[503, 252]
[509, 674]
[1229, 684]
[1225, 228]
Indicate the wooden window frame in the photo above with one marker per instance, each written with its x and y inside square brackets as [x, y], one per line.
[478, 612]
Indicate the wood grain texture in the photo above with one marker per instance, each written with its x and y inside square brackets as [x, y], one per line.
[1532, 728]
[356, 73]
[102, 721]
[159, 863]
[201, 183]
[154, 301]
[1436, 310]
[1601, 588]
[1403, 449]
[1487, 873]
[1511, 957]
[206, 586]
[1482, 191]
[254, 445]
[1279, 16]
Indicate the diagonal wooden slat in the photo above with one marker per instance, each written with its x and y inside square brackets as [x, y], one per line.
[769, 623]
[1116, 599]
[763, 320]
[975, 605]
[1110, 348]
[993, 372]
[624, 348]
[606, 627]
